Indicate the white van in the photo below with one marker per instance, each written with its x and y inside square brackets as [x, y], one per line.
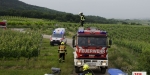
[58, 36]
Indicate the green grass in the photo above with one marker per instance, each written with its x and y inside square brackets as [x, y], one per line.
[122, 58]
[41, 65]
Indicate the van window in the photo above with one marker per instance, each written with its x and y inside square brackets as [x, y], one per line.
[57, 35]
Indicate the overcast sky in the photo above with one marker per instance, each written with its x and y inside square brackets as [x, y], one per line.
[122, 9]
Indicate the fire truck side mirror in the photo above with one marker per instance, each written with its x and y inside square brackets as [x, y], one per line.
[110, 42]
[73, 43]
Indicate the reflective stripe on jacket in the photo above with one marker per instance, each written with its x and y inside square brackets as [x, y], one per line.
[62, 48]
[82, 18]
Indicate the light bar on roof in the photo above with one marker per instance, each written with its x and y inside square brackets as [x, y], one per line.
[61, 32]
[80, 31]
[58, 31]
[54, 31]
[103, 32]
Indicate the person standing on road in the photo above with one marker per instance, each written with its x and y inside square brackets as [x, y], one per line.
[62, 51]
[82, 18]
[86, 70]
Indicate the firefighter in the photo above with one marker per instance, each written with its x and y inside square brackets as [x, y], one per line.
[82, 18]
[86, 70]
[62, 51]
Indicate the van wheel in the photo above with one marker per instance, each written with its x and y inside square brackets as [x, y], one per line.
[59, 43]
[51, 44]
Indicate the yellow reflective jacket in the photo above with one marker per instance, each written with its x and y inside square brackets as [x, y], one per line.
[82, 18]
[62, 48]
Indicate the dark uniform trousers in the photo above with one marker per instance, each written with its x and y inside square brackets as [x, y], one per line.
[62, 51]
[62, 55]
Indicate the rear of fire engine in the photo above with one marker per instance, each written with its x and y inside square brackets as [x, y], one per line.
[91, 46]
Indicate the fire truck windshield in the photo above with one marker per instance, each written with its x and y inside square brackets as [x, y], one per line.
[92, 41]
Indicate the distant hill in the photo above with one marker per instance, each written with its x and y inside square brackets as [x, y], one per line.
[18, 8]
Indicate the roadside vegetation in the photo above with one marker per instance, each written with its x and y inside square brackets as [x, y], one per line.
[16, 44]
[40, 65]
[129, 52]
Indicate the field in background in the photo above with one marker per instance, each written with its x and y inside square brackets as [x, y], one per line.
[131, 44]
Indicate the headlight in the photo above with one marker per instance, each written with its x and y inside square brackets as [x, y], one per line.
[79, 63]
[103, 63]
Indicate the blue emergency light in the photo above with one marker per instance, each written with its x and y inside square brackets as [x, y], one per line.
[61, 32]
[80, 31]
[113, 71]
[54, 31]
[103, 32]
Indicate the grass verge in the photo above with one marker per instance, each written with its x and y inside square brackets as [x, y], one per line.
[41, 65]
[122, 58]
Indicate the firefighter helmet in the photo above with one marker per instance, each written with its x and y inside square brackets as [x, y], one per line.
[80, 13]
[85, 67]
[62, 43]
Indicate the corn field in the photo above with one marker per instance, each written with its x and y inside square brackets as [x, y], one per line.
[18, 44]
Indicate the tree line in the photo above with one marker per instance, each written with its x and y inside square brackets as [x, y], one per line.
[18, 8]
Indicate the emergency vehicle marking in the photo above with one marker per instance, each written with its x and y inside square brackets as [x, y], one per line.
[100, 51]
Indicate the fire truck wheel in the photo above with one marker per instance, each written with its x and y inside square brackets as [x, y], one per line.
[103, 70]
[77, 69]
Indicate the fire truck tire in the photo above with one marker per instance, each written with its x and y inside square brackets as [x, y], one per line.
[77, 69]
[103, 70]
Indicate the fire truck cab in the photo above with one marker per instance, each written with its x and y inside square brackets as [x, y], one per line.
[91, 47]
[3, 24]
[58, 36]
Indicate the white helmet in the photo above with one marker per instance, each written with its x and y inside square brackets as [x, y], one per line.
[80, 13]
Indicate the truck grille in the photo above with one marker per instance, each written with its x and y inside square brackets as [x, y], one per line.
[55, 40]
[90, 60]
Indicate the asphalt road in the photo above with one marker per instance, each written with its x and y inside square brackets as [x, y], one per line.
[69, 42]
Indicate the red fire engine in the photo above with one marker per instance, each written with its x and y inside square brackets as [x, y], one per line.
[91, 46]
[3, 24]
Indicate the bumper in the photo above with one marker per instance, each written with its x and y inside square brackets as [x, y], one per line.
[92, 63]
[55, 42]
